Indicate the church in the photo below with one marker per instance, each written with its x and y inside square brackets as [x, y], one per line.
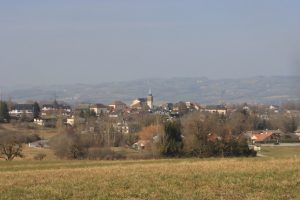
[143, 103]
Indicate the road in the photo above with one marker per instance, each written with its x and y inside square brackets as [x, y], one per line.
[282, 145]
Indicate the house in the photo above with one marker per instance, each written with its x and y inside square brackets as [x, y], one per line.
[197, 106]
[141, 144]
[39, 144]
[46, 122]
[192, 106]
[39, 122]
[99, 108]
[56, 109]
[167, 106]
[19, 109]
[220, 109]
[297, 134]
[274, 108]
[82, 109]
[213, 137]
[22, 110]
[121, 127]
[118, 105]
[71, 120]
[180, 108]
[264, 136]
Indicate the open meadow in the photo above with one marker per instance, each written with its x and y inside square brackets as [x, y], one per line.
[274, 175]
[28, 129]
[232, 178]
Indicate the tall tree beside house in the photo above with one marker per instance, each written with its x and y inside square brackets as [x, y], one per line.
[4, 113]
[172, 143]
[36, 110]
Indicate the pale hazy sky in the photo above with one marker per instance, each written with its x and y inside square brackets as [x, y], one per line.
[55, 41]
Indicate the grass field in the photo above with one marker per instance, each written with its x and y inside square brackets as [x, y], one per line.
[281, 152]
[247, 178]
[44, 133]
[274, 176]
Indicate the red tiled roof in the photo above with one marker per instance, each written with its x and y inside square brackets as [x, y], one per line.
[212, 137]
[260, 137]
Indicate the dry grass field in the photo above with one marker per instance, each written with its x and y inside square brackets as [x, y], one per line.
[247, 178]
[44, 133]
[281, 152]
[275, 176]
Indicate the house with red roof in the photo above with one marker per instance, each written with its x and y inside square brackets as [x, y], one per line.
[264, 136]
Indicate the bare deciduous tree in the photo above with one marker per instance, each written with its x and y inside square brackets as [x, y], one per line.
[10, 149]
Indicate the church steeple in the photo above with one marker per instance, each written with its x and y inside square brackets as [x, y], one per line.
[150, 99]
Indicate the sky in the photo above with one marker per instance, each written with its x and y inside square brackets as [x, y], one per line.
[65, 42]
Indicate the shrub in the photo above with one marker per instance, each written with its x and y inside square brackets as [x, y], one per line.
[39, 156]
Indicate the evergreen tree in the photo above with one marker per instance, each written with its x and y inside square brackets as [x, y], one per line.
[172, 143]
[4, 113]
[36, 110]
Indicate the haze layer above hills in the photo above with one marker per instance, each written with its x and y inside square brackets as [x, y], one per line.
[273, 90]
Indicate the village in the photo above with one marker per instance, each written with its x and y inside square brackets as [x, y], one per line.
[129, 121]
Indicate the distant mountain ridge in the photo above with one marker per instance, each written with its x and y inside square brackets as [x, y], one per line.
[260, 89]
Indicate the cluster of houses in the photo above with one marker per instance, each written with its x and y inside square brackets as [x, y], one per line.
[118, 111]
[54, 109]
[49, 113]
[45, 115]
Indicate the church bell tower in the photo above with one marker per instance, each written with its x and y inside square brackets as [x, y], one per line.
[150, 99]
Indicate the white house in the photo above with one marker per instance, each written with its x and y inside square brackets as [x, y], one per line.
[99, 108]
[71, 121]
[216, 109]
[20, 109]
[117, 105]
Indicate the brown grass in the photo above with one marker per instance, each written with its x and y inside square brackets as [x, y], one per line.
[254, 178]
[235, 178]
[45, 133]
